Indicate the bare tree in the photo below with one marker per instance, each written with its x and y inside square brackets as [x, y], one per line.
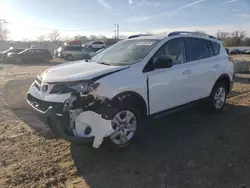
[54, 36]
[24, 40]
[93, 37]
[123, 36]
[201, 32]
[82, 38]
[40, 38]
[4, 32]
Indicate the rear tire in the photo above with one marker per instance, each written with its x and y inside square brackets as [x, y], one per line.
[217, 98]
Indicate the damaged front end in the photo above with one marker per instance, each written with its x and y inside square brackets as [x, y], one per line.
[84, 117]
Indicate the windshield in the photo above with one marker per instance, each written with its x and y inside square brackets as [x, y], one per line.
[126, 52]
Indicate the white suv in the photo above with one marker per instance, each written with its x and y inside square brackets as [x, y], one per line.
[95, 45]
[112, 95]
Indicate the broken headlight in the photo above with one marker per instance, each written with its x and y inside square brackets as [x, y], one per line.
[82, 87]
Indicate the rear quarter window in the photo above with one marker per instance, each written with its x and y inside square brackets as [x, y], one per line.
[216, 47]
[196, 48]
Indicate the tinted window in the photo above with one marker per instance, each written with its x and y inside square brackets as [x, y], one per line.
[40, 51]
[97, 43]
[196, 49]
[73, 48]
[215, 47]
[173, 49]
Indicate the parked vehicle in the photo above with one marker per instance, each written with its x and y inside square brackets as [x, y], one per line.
[227, 50]
[246, 51]
[235, 51]
[31, 54]
[95, 45]
[95, 53]
[4, 54]
[74, 52]
[135, 79]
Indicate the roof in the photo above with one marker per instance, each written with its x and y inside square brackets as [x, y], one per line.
[174, 34]
[156, 37]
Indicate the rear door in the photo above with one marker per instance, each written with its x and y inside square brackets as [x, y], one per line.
[202, 66]
[28, 55]
[39, 55]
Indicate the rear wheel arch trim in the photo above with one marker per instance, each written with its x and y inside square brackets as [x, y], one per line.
[223, 76]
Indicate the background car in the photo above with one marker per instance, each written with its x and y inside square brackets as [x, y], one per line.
[4, 54]
[74, 52]
[246, 51]
[95, 45]
[235, 51]
[31, 54]
[95, 53]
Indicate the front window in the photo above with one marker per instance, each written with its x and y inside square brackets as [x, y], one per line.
[126, 52]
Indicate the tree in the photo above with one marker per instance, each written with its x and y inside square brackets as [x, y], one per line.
[201, 32]
[4, 32]
[54, 36]
[93, 37]
[82, 38]
[123, 37]
[40, 38]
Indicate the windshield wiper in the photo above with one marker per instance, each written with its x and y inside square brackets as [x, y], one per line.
[103, 63]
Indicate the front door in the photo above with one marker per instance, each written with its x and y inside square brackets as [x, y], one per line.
[168, 86]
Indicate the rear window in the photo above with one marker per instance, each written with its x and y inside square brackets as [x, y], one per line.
[73, 48]
[215, 47]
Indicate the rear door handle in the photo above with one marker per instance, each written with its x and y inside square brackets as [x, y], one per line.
[216, 66]
[186, 72]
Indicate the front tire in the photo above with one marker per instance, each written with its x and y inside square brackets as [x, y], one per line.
[127, 124]
[218, 96]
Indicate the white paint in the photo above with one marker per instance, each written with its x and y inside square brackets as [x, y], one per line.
[168, 87]
[100, 127]
[79, 70]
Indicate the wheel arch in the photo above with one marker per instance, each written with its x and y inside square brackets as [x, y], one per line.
[136, 98]
[223, 78]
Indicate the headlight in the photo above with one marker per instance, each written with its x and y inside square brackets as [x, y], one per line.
[82, 87]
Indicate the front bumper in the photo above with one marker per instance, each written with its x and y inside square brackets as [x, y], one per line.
[57, 122]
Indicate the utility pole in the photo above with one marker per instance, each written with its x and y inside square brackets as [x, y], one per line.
[118, 31]
[115, 30]
[115, 33]
[3, 29]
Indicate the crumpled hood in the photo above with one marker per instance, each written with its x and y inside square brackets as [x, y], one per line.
[79, 70]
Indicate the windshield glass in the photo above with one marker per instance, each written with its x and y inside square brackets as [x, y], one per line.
[126, 52]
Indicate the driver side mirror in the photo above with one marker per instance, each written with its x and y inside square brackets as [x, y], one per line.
[162, 62]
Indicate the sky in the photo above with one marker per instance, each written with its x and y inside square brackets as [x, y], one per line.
[28, 19]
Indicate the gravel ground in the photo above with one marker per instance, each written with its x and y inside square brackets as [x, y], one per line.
[187, 149]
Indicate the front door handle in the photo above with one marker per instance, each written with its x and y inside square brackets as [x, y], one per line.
[186, 72]
[216, 66]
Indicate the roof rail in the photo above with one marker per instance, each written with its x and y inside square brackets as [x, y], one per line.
[192, 33]
[139, 35]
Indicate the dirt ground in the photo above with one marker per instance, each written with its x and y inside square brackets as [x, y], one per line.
[184, 150]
